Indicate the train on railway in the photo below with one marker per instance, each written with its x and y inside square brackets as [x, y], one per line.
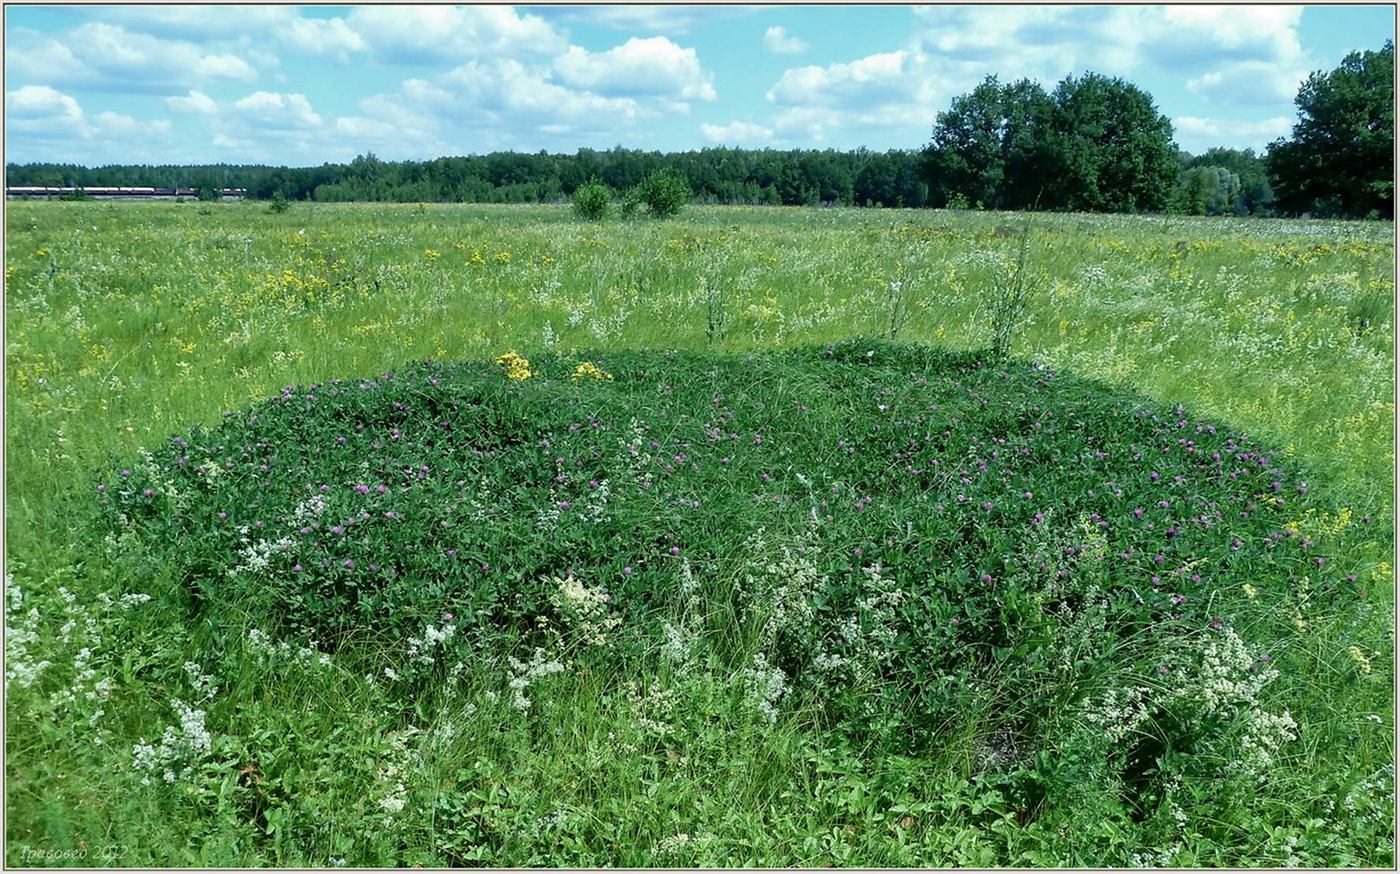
[108, 192]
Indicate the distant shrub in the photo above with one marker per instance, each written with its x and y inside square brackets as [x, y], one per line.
[664, 193]
[279, 204]
[593, 201]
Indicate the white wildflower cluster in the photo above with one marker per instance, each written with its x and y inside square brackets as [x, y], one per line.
[200, 681]
[447, 727]
[182, 750]
[1161, 859]
[595, 506]
[74, 615]
[522, 674]
[548, 337]
[209, 469]
[584, 609]
[480, 503]
[1227, 685]
[637, 461]
[1094, 277]
[1373, 800]
[652, 709]
[548, 514]
[31, 651]
[1265, 734]
[257, 556]
[786, 590]
[22, 667]
[455, 674]
[765, 685]
[391, 790]
[421, 648]
[1119, 712]
[610, 325]
[673, 844]
[270, 653]
[679, 645]
[541, 826]
[158, 479]
[308, 510]
[1229, 676]
[864, 642]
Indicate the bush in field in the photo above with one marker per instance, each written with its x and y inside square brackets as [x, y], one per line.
[663, 193]
[631, 202]
[593, 201]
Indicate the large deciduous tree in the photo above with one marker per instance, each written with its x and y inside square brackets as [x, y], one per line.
[990, 147]
[1340, 159]
[1114, 149]
[1095, 144]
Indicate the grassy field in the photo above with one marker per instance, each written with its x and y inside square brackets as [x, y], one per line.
[690, 712]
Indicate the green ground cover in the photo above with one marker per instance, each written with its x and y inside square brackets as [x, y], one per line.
[772, 591]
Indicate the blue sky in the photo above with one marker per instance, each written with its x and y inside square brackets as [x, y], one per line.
[305, 85]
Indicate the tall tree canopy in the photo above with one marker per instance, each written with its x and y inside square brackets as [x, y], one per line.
[1340, 159]
[1252, 192]
[991, 146]
[1096, 143]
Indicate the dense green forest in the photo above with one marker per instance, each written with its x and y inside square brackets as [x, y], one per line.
[715, 175]
[1094, 144]
[720, 175]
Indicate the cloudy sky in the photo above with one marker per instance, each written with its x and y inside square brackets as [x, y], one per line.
[304, 85]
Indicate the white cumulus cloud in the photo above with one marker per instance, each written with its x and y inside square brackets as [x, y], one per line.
[195, 103]
[43, 123]
[777, 40]
[1196, 134]
[674, 20]
[270, 110]
[41, 103]
[331, 37]
[100, 56]
[1250, 82]
[737, 133]
[653, 66]
[887, 77]
[416, 34]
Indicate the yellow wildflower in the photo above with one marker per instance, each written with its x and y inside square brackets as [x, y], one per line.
[1250, 591]
[517, 367]
[589, 370]
[1363, 664]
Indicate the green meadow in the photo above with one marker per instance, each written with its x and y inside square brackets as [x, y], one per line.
[485, 535]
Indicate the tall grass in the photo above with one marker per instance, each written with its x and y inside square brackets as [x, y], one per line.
[127, 323]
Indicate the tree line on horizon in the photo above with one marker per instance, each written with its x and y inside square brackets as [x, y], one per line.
[1093, 143]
